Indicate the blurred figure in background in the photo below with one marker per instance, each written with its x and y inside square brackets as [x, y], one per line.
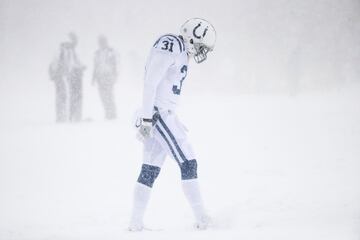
[105, 76]
[56, 71]
[74, 75]
[66, 71]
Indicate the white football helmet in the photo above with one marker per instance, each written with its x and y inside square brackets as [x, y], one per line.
[199, 37]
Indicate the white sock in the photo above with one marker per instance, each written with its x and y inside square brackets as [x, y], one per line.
[192, 193]
[141, 199]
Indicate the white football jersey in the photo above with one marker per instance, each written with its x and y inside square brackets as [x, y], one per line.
[165, 71]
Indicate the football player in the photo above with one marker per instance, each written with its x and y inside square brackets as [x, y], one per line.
[158, 126]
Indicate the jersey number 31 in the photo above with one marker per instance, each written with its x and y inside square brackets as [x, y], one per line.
[177, 89]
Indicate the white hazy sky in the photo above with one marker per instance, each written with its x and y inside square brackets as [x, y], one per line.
[263, 46]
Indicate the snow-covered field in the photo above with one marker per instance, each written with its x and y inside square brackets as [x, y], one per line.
[273, 114]
[271, 167]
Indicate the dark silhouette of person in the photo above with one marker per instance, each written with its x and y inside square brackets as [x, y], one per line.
[66, 71]
[74, 76]
[57, 75]
[105, 76]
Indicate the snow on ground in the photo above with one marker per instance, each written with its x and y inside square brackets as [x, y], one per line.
[271, 167]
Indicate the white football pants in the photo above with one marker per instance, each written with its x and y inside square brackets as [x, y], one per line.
[169, 138]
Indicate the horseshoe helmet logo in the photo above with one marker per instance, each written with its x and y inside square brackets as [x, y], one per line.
[199, 36]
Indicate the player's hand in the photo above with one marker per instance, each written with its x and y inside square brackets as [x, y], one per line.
[145, 130]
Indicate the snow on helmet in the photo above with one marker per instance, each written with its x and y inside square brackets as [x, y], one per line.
[199, 37]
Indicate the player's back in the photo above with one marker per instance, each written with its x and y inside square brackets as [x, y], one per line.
[168, 58]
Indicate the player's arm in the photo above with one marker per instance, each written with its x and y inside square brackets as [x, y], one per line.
[156, 68]
[162, 56]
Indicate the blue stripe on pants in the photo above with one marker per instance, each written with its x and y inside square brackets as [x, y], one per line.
[172, 139]
[168, 143]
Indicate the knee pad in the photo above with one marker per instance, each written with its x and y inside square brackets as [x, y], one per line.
[148, 174]
[188, 169]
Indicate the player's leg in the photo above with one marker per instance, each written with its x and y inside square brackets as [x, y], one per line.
[61, 96]
[103, 95]
[75, 83]
[105, 88]
[111, 101]
[172, 135]
[154, 157]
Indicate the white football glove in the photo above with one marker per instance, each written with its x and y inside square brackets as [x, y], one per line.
[145, 129]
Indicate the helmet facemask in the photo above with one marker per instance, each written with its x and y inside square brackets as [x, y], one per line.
[201, 51]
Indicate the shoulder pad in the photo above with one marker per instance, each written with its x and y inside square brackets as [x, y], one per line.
[170, 43]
